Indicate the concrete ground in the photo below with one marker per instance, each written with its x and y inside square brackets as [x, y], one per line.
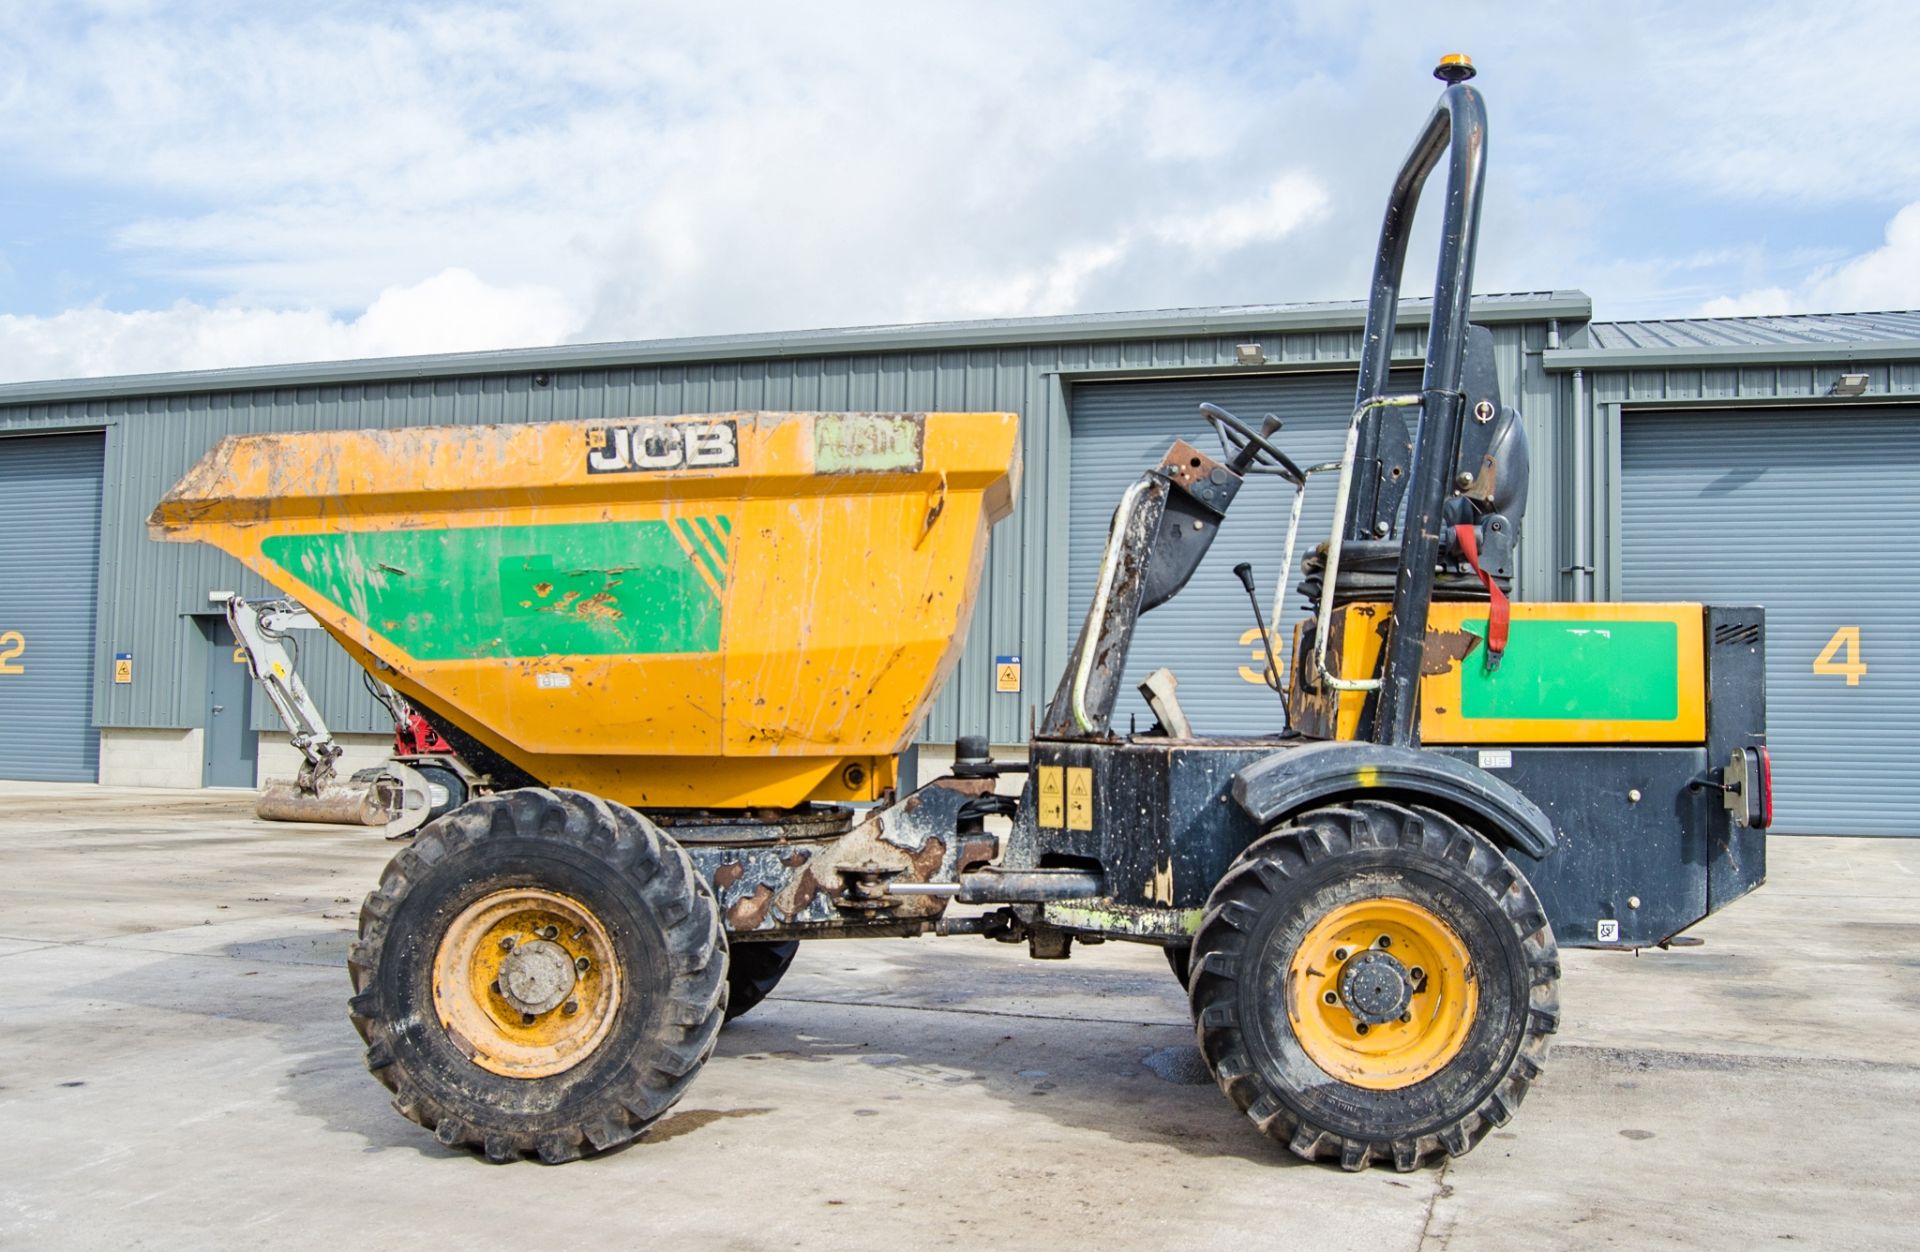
[176, 1070]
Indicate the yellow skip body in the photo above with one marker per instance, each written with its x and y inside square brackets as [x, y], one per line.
[720, 611]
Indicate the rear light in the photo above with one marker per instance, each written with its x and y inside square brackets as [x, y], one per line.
[1766, 788]
[1746, 787]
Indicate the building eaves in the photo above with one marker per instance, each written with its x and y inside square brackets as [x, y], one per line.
[1716, 341]
[1571, 306]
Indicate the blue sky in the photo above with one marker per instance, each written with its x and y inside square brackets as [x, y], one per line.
[211, 183]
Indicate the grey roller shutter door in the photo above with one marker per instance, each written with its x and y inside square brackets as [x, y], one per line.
[49, 576]
[1205, 635]
[1813, 514]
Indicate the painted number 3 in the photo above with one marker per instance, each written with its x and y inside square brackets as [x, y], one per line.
[1844, 644]
[1250, 638]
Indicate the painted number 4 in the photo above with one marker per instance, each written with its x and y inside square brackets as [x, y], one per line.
[1845, 643]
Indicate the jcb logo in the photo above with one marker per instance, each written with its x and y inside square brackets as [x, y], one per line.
[662, 446]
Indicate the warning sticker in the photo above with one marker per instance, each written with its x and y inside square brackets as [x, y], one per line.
[1608, 931]
[122, 668]
[1052, 798]
[1006, 673]
[1079, 797]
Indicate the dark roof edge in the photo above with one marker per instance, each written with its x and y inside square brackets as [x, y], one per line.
[1744, 354]
[1563, 305]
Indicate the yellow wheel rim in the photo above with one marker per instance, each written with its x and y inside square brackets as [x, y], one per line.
[1381, 958]
[526, 982]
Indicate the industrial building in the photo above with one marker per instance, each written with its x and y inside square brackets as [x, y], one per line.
[1734, 460]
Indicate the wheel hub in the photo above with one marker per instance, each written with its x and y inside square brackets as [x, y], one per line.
[1375, 987]
[536, 977]
[1380, 992]
[527, 982]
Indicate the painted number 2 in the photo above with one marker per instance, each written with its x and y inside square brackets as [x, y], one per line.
[12, 644]
[1845, 643]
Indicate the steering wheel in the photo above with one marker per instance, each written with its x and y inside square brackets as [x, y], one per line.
[1248, 449]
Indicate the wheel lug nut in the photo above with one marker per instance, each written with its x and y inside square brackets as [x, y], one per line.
[1331, 998]
[1360, 1028]
[570, 1007]
[1406, 1017]
[549, 932]
[526, 1019]
[1386, 941]
[1339, 954]
[582, 965]
[1417, 974]
[506, 945]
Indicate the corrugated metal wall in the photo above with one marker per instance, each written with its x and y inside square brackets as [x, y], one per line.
[1775, 506]
[49, 541]
[1609, 392]
[149, 590]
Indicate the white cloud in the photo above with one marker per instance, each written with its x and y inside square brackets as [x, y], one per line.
[1760, 302]
[1291, 201]
[454, 311]
[627, 171]
[1797, 102]
[1886, 278]
[1197, 235]
[1051, 287]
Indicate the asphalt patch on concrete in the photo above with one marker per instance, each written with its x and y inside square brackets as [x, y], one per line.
[1182, 1065]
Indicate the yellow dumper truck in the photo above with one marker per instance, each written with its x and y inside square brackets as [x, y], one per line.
[680, 658]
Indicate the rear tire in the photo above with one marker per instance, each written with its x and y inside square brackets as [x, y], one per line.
[617, 995]
[1344, 1047]
[447, 780]
[754, 970]
[1180, 961]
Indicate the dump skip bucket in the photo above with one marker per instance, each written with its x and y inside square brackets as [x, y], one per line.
[721, 611]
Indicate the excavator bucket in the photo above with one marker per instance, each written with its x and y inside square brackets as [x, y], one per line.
[391, 796]
[720, 611]
[336, 804]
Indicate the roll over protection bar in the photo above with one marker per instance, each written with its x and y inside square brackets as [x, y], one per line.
[1458, 128]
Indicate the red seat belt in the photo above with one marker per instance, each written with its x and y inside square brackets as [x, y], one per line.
[1501, 612]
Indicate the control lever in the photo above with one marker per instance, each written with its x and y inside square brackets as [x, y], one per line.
[1244, 572]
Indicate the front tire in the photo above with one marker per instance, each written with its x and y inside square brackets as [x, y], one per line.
[1374, 982]
[541, 972]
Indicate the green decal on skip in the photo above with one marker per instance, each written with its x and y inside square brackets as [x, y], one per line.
[589, 589]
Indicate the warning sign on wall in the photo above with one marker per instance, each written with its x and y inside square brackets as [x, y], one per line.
[122, 668]
[1006, 673]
